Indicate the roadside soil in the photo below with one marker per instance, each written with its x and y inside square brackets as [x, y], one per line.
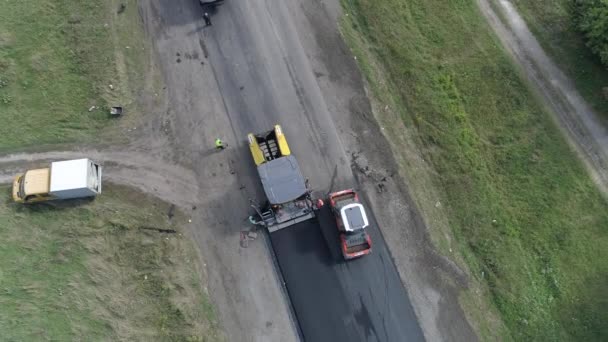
[581, 125]
[171, 156]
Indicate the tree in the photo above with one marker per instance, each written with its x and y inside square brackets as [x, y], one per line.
[592, 21]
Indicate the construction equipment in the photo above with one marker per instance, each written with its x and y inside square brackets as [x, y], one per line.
[352, 221]
[289, 200]
[62, 180]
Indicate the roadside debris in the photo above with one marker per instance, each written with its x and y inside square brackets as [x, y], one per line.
[246, 236]
[360, 163]
[115, 111]
[160, 230]
[171, 212]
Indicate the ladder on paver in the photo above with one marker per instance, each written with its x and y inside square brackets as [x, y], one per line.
[268, 216]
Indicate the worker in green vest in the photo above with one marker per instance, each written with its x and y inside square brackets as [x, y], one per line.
[219, 144]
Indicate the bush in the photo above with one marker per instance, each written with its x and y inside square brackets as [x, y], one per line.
[592, 21]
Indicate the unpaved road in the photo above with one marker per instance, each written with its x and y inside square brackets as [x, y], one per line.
[152, 175]
[265, 62]
[585, 132]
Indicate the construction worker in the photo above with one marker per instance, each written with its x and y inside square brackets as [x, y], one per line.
[219, 144]
[207, 19]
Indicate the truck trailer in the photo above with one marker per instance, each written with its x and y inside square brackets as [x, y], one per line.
[61, 180]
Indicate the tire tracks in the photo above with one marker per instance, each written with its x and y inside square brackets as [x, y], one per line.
[581, 126]
[143, 171]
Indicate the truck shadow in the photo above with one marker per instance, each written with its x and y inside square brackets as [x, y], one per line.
[55, 204]
[329, 231]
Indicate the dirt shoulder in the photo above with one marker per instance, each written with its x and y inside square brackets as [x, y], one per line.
[581, 125]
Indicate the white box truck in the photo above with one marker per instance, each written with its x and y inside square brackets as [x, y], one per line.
[62, 180]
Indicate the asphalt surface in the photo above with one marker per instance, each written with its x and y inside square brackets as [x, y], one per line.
[265, 78]
[245, 73]
[337, 300]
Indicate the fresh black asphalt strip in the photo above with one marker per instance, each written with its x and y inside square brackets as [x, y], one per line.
[335, 300]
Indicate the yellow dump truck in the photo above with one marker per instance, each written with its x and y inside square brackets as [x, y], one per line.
[61, 180]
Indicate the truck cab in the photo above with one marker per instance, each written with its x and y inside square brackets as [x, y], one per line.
[352, 222]
[32, 186]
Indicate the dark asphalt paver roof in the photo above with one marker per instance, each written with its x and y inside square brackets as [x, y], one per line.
[282, 180]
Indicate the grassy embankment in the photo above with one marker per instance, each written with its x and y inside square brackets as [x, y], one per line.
[96, 271]
[525, 216]
[58, 58]
[552, 23]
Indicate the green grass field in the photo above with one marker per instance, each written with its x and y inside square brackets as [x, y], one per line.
[527, 219]
[58, 58]
[95, 271]
[552, 23]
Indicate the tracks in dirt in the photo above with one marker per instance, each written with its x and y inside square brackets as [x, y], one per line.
[150, 174]
[582, 127]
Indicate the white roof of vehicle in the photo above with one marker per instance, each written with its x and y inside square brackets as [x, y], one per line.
[69, 174]
[354, 217]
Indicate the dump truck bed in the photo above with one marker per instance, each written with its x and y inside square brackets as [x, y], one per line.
[345, 199]
[355, 244]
